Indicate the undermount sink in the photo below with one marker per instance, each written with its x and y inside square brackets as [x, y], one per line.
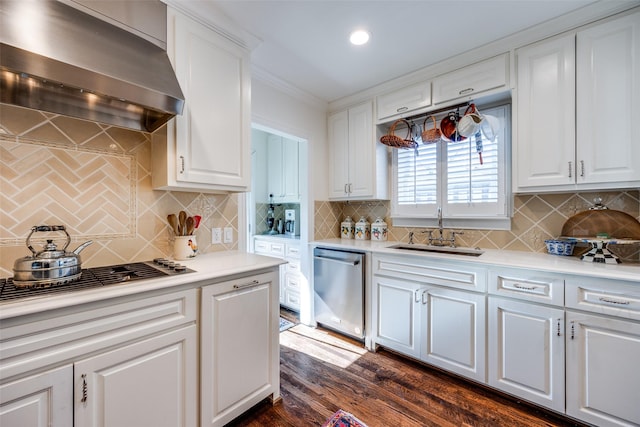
[439, 249]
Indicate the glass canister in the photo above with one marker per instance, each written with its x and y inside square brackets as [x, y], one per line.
[363, 229]
[347, 228]
[379, 230]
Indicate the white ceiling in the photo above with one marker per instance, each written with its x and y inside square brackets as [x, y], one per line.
[305, 42]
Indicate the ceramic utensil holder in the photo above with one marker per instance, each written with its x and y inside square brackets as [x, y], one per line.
[185, 247]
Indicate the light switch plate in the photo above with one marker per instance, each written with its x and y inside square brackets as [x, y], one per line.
[216, 235]
[228, 235]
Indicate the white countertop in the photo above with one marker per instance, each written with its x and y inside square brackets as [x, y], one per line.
[209, 267]
[504, 258]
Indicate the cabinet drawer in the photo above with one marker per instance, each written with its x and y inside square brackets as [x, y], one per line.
[293, 267]
[31, 342]
[612, 297]
[468, 82]
[292, 282]
[527, 285]
[403, 101]
[265, 247]
[292, 300]
[293, 251]
[430, 271]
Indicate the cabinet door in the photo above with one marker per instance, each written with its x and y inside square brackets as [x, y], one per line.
[454, 331]
[608, 101]
[148, 383]
[275, 164]
[239, 346]
[526, 351]
[403, 101]
[603, 379]
[290, 171]
[396, 315]
[362, 151]
[338, 124]
[212, 136]
[544, 149]
[41, 400]
[468, 82]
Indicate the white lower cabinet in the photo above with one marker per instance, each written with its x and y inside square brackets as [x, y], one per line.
[526, 351]
[436, 324]
[291, 277]
[148, 383]
[603, 379]
[239, 346]
[41, 400]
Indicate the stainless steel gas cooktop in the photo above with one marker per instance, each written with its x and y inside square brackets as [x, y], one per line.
[99, 276]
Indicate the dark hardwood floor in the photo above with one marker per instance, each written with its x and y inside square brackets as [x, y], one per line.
[322, 372]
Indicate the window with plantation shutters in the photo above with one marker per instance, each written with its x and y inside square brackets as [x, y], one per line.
[468, 179]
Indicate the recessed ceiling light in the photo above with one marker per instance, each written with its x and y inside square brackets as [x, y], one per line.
[359, 37]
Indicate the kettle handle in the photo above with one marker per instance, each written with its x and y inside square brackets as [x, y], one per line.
[37, 228]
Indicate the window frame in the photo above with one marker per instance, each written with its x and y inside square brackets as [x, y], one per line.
[469, 217]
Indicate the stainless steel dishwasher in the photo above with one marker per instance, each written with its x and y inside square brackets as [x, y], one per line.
[338, 281]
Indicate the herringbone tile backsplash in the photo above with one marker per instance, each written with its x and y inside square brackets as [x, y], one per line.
[95, 180]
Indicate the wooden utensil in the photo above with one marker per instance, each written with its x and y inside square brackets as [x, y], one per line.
[191, 225]
[182, 221]
[173, 222]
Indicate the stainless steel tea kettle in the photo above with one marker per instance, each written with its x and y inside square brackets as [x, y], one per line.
[50, 266]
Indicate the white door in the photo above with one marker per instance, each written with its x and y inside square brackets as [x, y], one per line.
[603, 379]
[149, 383]
[239, 346]
[362, 151]
[544, 149]
[608, 101]
[212, 134]
[40, 400]
[396, 316]
[338, 125]
[526, 351]
[454, 331]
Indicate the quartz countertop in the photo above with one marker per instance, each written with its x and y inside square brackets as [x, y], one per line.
[209, 268]
[517, 259]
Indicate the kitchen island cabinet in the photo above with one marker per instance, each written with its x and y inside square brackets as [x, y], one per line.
[358, 163]
[127, 354]
[240, 355]
[207, 148]
[572, 94]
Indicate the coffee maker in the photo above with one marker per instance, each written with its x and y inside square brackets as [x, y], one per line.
[291, 222]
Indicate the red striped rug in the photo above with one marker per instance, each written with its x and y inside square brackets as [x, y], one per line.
[343, 419]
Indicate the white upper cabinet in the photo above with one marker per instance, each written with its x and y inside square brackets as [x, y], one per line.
[283, 169]
[577, 101]
[608, 102]
[466, 83]
[545, 143]
[207, 148]
[358, 163]
[401, 102]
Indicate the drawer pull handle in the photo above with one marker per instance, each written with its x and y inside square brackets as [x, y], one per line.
[612, 301]
[247, 285]
[84, 388]
[524, 288]
[402, 109]
[465, 91]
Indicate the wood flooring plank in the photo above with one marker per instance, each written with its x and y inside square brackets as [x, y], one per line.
[322, 372]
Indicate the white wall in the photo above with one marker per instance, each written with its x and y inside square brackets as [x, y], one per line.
[274, 108]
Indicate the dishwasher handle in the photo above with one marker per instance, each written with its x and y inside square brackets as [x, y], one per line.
[338, 260]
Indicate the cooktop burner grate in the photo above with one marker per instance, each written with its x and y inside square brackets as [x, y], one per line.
[91, 278]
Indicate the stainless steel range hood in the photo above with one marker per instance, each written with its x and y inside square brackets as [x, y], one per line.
[56, 58]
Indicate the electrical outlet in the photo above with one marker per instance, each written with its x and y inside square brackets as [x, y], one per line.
[228, 235]
[216, 235]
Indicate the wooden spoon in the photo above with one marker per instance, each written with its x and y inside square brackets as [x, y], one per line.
[173, 222]
[182, 221]
[191, 225]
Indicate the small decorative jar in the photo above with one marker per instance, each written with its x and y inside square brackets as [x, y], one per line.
[363, 229]
[347, 228]
[379, 230]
